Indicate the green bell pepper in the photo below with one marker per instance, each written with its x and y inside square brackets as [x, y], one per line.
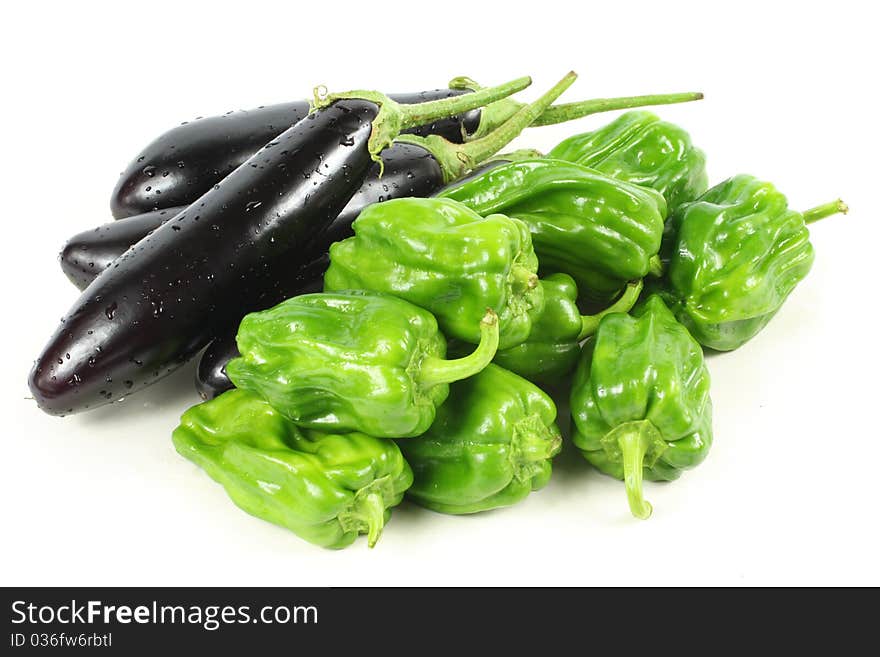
[353, 361]
[326, 488]
[734, 255]
[640, 399]
[440, 255]
[601, 231]
[553, 346]
[640, 148]
[489, 447]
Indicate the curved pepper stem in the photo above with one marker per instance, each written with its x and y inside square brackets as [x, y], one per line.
[497, 113]
[589, 323]
[395, 117]
[635, 445]
[633, 448]
[367, 513]
[435, 371]
[825, 210]
[374, 515]
[456, 160]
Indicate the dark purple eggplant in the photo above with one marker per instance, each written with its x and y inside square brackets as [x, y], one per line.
[183, 163]
[87, 254]
[186, 161]
[409, 170]
[168, 295]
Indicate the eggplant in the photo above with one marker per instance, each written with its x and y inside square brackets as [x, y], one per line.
[168, 295]
[183, 163]
[409, 170]
[87, 254]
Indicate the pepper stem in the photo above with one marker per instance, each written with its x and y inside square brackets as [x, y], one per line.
[435, 371]
[523, 279]
[456, 160]
[500, 111]
[589, 323]
[367, 512]
[635, 445]
[655, 266]
[374, 515]
[395, 117]
[825, 210]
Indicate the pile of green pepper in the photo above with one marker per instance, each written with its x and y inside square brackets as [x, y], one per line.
[601, 272]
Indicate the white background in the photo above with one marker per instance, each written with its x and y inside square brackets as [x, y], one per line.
[788, 494]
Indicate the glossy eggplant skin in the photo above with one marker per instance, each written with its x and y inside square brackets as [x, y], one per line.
[169, 295]
[87, 254]
[211, 379]
[185, 162]
[410, 170]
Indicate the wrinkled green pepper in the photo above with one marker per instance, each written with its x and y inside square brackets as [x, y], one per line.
[326, 488]
[640, 399]
[489, 447]
[601, 231]
[553, 346]
[443, 257]
[734, 255]
[640, 148]
[353, 361]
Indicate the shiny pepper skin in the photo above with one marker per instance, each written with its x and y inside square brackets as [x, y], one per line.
[734, 255]
[640, 148]
[640, 399]
[601, 231]
[553, 347]
[489, 447]
[443, 257]
[326, 488]
[353, 361]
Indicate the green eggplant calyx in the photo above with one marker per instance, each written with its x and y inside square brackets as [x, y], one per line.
[456, 160]
[432, 371]
[636, 445]
[533, 442]
[590, 323]
[367, 512]
[825, 210]
[395, 117]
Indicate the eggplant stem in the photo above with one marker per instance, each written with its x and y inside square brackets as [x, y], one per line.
[422, 113]
[434, 371]
[497, 113]
[570, 111]
[395, 117]
[456, 160]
